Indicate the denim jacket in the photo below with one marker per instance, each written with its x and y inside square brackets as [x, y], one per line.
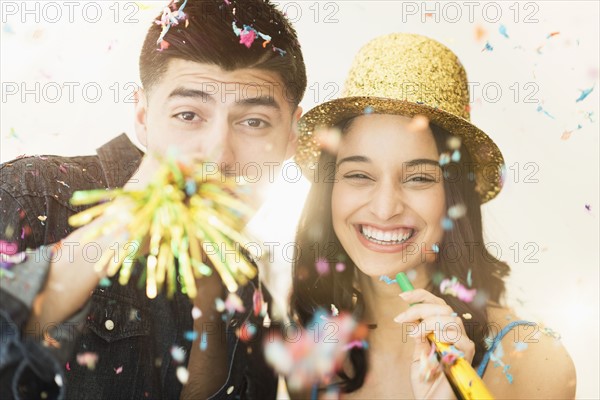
[136, 339]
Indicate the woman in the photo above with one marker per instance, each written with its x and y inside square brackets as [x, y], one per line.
[403, 194]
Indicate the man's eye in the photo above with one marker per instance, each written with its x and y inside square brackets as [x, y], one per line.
[187, 116]
[255, 123]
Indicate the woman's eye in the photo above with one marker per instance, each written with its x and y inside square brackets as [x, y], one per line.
[187, 116]
[356, 176]
[255, 123]
[421, 179]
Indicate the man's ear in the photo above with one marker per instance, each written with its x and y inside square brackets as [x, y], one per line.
[293, 138]
[141, 112]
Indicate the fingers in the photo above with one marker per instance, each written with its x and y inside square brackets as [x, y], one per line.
[430, 314]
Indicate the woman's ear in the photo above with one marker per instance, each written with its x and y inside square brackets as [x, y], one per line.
[140, 123]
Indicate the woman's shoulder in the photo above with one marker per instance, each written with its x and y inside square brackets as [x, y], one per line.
[529, 361]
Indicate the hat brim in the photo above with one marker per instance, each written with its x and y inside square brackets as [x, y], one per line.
[487, 158]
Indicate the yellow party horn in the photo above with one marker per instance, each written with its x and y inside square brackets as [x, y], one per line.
[462, 377]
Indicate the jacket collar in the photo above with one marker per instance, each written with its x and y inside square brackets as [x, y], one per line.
[119, 159]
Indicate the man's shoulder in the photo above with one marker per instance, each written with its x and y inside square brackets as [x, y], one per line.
[40, 175]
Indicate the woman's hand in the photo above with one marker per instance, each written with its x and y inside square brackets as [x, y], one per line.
[430, 314]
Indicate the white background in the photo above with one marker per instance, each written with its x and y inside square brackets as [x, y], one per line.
[550, 180]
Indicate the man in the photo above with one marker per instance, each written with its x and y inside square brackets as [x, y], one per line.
[221, 82]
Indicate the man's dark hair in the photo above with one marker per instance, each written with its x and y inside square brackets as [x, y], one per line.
[210, 38]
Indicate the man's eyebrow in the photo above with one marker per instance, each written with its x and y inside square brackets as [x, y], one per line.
[354, 159]
[267, 101]
[193, 93]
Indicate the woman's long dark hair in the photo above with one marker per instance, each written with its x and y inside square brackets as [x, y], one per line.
[462, 252]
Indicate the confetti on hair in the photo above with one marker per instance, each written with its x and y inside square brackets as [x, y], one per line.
[447, 224]
[248, 34]
[368, 110]
[444, 159]
[467, 316]
[470, 278]
[386, 279]
[171, 17]
[118, 370]
[280, 51]
[541, 109]
[503, 32]
[457, 211]
[584, 94]
[454, 288]
[334, 311]
[488, 47]
[455, 157]
[322, 266]
[356, 344]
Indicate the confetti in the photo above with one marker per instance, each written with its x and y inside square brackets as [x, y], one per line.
[470, 278]
[454, 288]
[584, 94]
[118, 370]
[306, 362]
[190, 335]
[248, 34]
[502, 31]
[8, 248]
[429, 367]
[488, 47]
[540, 109]
[588, 207]
[457, 211]
[87, 359]
[368, 110]
[322, 266]
[340, 267]
[257, 301]
[520, 346]
[196, 313]
[467, 316]
[566, 135]
[334, 311]
[435, 247]
[178, 354]
[447, 224]
[386, 279]
[233, 303]
[182, 375]
[169, 18]
[203, 342]
[552, 34]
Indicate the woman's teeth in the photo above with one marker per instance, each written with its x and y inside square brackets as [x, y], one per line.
[391, 237]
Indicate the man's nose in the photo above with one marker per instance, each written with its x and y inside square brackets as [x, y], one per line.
[216, 145]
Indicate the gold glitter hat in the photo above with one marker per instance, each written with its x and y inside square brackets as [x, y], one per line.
[408, 75]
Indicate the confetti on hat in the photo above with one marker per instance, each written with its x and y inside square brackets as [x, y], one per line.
[184, 211]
